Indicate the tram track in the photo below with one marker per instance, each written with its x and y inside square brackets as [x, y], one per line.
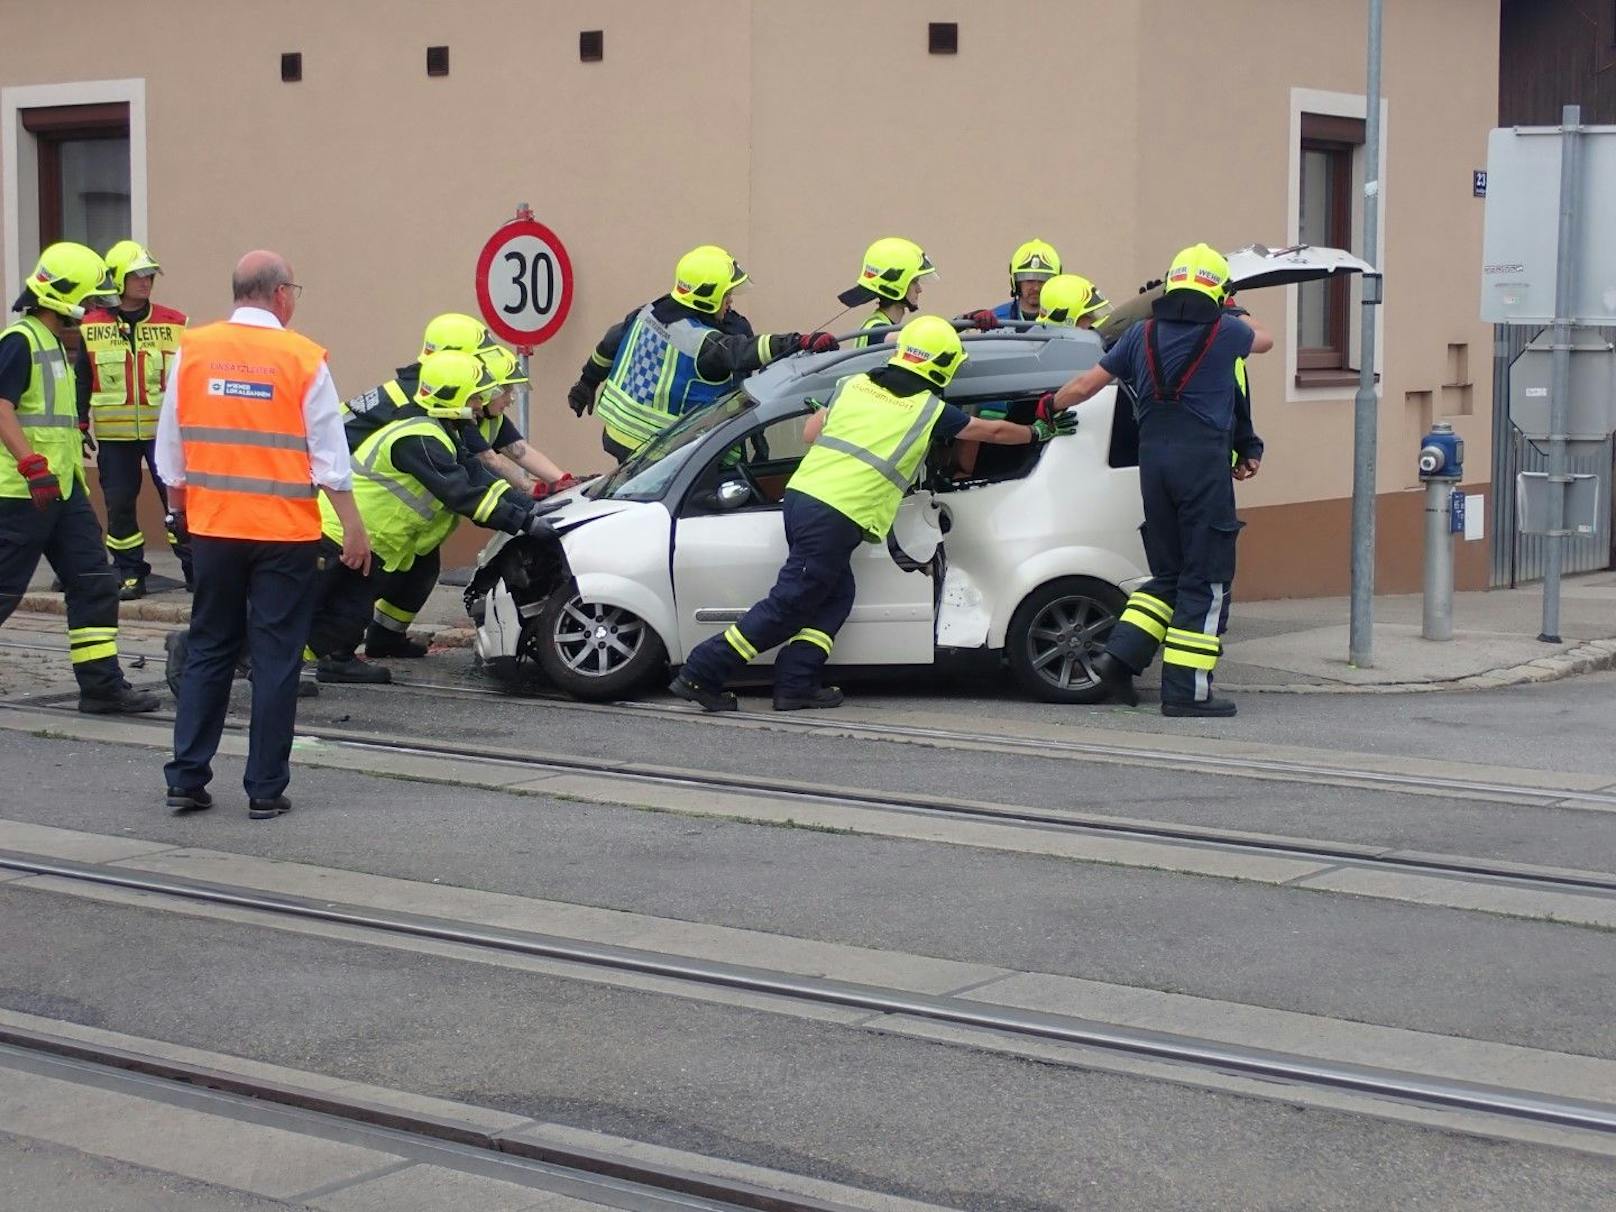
[1289, 1069]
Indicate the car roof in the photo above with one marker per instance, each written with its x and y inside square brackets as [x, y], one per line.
[1005, 362]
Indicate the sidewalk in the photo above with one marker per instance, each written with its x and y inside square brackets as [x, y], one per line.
[1294, 645]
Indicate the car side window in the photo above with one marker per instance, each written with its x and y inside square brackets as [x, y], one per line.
[762, 461]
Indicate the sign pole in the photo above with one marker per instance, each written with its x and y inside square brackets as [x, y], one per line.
[1366, 404]
[1560, 367]
[524, 392]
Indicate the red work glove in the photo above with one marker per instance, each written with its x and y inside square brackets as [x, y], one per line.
[540, 490]
[982, 321]
[567, 480]
[1046, 408]
[43, 485]
[816, 342]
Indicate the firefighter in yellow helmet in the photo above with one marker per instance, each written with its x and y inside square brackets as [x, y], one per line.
[676, 355]
[1181, 366]
[867, 445]
[1070, 301]
[1031, 265]
[44, 504]
[891, 276]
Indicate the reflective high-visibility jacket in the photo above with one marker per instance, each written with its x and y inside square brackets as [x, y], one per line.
[239, 404]
[654, 379]
[876, 319]
[869, 452]
[48, 411]
[129, 369]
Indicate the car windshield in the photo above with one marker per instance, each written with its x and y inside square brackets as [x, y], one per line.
[648, 472]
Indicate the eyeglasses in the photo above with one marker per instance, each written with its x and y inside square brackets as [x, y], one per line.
[297, 291]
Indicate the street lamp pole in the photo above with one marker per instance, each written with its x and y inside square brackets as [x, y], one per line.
[1366, 405]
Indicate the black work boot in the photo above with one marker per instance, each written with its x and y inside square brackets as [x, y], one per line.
[131, 588]
[307, 689]
[263, 810]
[351, 669]
[1117, 679]
[1205, 708]
[380, 642]
[707, 700]
[196, 799]
[820, 698]
[125, 700]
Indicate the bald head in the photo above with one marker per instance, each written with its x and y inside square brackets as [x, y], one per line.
[257, 276]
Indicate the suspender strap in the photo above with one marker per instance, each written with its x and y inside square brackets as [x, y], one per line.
[1153, 362]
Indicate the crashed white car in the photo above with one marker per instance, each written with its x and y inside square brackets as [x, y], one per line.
[1029, 562]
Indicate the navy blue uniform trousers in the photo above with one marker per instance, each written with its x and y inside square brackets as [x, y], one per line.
[119, 465]
[1189, 535]
[263, 593]
[810, 601]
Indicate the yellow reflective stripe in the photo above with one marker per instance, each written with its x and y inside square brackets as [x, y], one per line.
[80, 635]
[490, 500]
[308, 654]
[1194, 639]
[126, 544]
[1188, 659]
[818, 639]
[763, 349]
[1152, 605]
[393, 613]
[395, 392]
[739, 642]
[93, 652]
[1146, 623]
[600, 361]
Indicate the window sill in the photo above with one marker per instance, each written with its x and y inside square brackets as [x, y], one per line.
[1328, 378]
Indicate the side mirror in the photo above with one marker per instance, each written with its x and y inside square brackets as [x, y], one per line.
[732, 494]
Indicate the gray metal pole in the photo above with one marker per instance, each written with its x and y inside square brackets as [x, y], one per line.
[1560, 368]
[1366, 406]
[524, 396]
[1438, 619]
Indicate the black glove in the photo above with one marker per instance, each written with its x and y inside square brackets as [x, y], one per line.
[86, 442]
[1150, 286]
[982, 321]
[581, 398]
[174, 523]
[816, 342]
[537, 527]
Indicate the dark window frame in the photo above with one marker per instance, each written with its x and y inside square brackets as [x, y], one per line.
[54, 125]
[1339, 140]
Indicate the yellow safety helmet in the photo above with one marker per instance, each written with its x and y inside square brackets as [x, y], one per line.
[502, 366]
[67, 275]
[1034, 261]
[704, 276]
[890, 265]
[1067, 298]
[929, 346]
[127, 257]
[455, 330]
[449, 380]
[1200, 268]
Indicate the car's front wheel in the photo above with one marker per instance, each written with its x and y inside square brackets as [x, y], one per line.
[592, 650]
[1056, 634]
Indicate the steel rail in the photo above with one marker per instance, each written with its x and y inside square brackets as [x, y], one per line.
[1394, 1084]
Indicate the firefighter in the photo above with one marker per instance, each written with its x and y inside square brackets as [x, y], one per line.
[44, 501]
[891, 278]
[676, 355]
[123, 366]
[409, 477]
[867, 446]
[1070, 301]
[1181, 365]
[1031, 265]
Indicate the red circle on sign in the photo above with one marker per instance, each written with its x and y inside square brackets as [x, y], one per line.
[510, 240]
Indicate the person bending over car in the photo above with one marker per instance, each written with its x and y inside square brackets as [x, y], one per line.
[677, 355]
[866, 448]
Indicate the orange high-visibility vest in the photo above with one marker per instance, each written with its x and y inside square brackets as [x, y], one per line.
[239, 406]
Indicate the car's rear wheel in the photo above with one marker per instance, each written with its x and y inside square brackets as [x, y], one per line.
[592, 650]
[1056, 634]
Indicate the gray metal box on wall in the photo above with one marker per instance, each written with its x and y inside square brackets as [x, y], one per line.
[1592, 403]
[1518, 264]
[1532, 503]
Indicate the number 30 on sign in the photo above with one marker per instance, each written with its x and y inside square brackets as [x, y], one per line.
[524, 282]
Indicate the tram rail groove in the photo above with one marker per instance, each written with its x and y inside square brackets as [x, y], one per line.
[1456, 867]
[660, 1181]
[1402, 1086]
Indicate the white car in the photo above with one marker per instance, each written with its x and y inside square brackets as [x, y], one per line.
[1030, 561]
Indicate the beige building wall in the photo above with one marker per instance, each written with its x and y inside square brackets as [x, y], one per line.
[794, 134]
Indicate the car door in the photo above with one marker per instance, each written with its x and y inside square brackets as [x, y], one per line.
[726, 556]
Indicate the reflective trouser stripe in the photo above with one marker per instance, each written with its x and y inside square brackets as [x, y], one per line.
[810, 635]
[391, 617]
[739, 642]
[128, 543]
[91, 643]
[1148, 613]
[308, 654]
[1191, 649]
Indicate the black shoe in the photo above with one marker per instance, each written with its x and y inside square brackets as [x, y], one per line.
[131, 588]
[1117, 679]
[1207, 708]
[825, 696]
[707, 700]
[176, 646]
[263, 810]
[352, 669]
[380, 642]
[56, 585]
[307, 690]
[195, 800]
[123, 701]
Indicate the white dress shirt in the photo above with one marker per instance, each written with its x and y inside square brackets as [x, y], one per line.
[322, 421]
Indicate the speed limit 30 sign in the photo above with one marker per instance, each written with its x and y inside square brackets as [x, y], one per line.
[524, 281]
